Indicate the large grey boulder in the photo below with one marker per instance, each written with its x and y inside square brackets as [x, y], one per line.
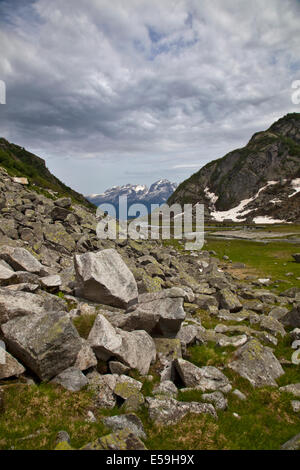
[102, 388]
[47, 343]
[104, 277]
[5, 274]
[135, 349]
[71, 379]
[167, 411]
[21, 260]
[205, 378]
[292, 444]
[257, 364]
[17, 303]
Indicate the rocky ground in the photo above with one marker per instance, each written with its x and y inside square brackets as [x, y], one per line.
[153, 334]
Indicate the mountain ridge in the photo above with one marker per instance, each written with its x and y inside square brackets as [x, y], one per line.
[271, 156]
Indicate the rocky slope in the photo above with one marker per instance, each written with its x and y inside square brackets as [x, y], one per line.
[158, 193]
[150, 304]
[21, 163]
[260, 182]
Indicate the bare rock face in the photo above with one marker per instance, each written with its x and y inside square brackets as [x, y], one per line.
[257, 364]
[167, 411]
[104, 277]
[135, 349]
[206, 378]
[47, 343]
[21, 260]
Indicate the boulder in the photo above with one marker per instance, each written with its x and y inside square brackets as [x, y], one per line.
[159, 317]
[168, 411]
[130, 421]
[217, 398]
[292, 444]
[9, 366]
[102, 388]
[229, 301]
[292, 318]
[64, 202]
[51, 283]
[166, 388]
[5, 274]
[21, 260]
[120, 440]
[86, 357]
[135, 349]
[257, 364]
[17, 303]
[205, 378]
[104, 277]
[47, 343]
[71, 379]
[294, 389]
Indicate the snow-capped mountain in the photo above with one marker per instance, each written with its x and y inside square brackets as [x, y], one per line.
[158, 193]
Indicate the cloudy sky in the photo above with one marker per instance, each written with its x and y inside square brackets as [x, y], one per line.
[111, 92]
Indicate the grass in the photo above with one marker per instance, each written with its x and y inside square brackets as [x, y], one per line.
[271, 259]
[34, 414]
[84, 324]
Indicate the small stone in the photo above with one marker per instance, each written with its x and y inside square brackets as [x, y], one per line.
[295, 405]
[239, 394]
[62, 436]
[217, 398]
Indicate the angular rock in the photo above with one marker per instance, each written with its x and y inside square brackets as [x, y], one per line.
[5, 274]
[104, 277]
[86, 357]
[126, 386]
[166, 388]
[133, 403]
[47, 343]
[21, 260]
[292, 444]
[16, 304]
[51, 283]
[272, 325]
[217, 398]
[9, 366]
[292, 318]
[135, 349]
[167, 411]
[229, 301]
[205, 378]
[294, 389]
[161, 317]
[71, 379]
[64, 202]
[130, 421]
[118, 368]
[121, 440]
[257, 364]
[102, 387]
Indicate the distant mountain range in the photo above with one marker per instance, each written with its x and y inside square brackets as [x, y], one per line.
[258, 183]
[158, 193]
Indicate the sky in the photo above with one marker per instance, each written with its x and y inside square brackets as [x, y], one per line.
[132, 91]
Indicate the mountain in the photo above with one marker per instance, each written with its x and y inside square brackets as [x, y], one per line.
[21, 163]
[258, 183]
[158, 193]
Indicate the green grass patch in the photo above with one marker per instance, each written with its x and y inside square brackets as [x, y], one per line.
[84, 324]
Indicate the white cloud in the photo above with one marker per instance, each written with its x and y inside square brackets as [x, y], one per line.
[144, 88]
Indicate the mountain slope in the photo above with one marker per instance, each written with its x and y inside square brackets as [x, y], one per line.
[258, 181]
[19, 162]
[158, 193]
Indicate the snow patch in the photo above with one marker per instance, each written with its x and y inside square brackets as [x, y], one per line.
[296, 186]
[239, 211]
[211, 196]
[267, 220]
